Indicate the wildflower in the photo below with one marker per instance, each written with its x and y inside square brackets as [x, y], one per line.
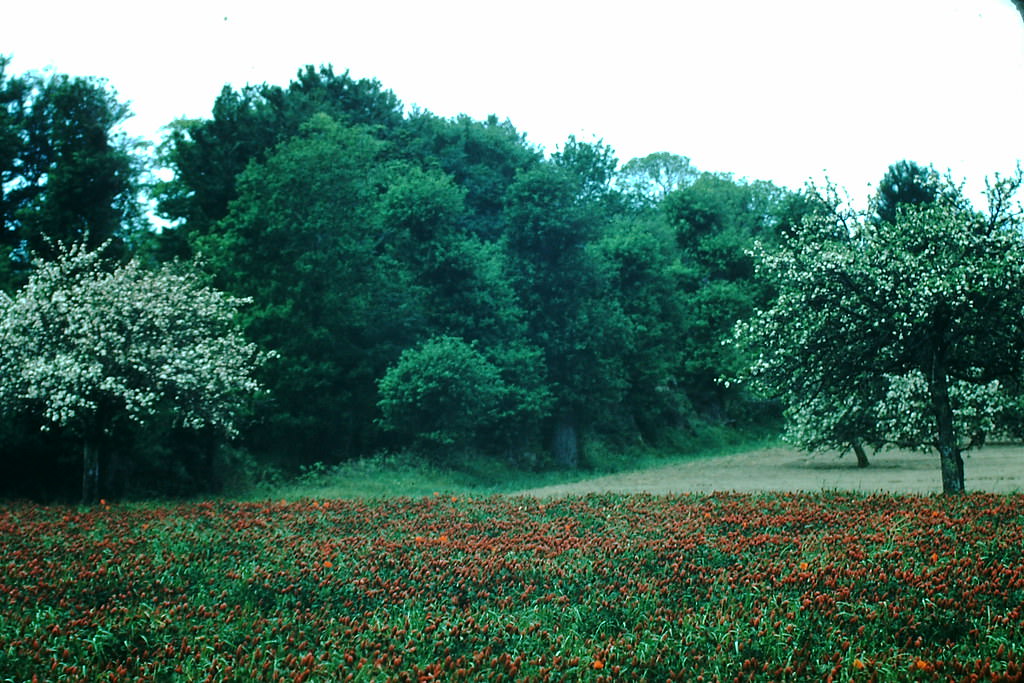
[598, 664]
[935, 557]
[921, 665]
[328, 564]
[444, 538]
[858, 664]
[804, 566]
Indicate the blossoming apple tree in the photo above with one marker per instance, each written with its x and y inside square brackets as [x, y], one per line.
[86, 344]
[907, 332]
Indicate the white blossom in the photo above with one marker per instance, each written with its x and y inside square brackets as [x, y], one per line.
[82, 340]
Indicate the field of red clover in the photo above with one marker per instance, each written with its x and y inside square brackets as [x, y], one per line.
[604, 587]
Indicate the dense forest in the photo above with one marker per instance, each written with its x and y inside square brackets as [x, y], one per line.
[413, 283]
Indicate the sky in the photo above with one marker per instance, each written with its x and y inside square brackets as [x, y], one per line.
[782, 90]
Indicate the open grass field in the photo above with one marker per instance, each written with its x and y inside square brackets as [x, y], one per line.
[714, 587]
[994, 469]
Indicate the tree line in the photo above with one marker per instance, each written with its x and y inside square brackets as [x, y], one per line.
[411, 282]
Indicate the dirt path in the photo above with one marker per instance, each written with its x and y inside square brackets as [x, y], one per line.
[998, 469]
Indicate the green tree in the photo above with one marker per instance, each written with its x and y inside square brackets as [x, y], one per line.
[717, 220]
[571, 313]
[462, 291]
[592, 164]
[648, 180]
[639, 258]
[905, 183]
[911, 330]
[304, 242]
[207, 156]
[12, 95]
[67, 173]
[88, 347]
[444, 393]
[482, 158]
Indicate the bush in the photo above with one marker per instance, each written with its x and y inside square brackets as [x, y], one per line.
[442, 394]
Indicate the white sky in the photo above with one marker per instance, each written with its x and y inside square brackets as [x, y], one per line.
[783, 90]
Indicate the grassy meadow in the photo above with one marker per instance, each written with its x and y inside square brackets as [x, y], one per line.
[723, 587]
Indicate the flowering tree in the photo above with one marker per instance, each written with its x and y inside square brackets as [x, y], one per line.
[86, 345]
[903, 333]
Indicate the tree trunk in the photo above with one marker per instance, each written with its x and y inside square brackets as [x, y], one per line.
[862, 457]
[950, 460]
[90, 472]
[565, 445]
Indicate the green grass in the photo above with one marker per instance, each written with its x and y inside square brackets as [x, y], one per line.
[408, 475]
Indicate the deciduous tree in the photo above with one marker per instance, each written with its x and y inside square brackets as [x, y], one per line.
[648, 180]
[67, 172]
[908, 332]
[904, 184]
[304, 242]
[207, 156]
[88, 345]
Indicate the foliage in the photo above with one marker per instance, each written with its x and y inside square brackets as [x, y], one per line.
[593, 299]
[905, 333]
[572, 314]
[640, 261]
[429, 228]
[87, 346]
[905, 184]
[648, 180]
[717, 219]
[481, 157]
[443, 392]
[592, 165]
[303, 242]
[66, 174]
[724, 587]
[207, 156]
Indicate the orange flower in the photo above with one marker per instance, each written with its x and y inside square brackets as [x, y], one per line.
[103, 501]
[921, 665]
[935, 557]
[444, 538]
[420, 539]
[858, 664]
[598, 664]
[804, 566]
[328, 564]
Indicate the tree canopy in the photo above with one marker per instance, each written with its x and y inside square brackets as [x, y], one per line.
[67, 173]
